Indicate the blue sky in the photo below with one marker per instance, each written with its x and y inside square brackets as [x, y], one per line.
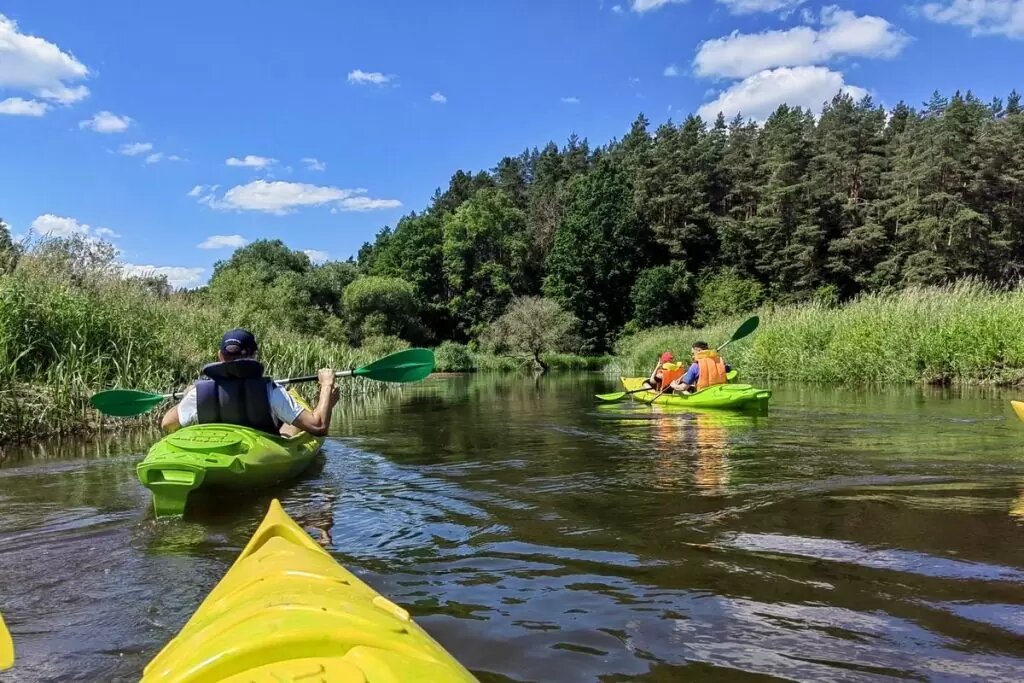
[166, 126]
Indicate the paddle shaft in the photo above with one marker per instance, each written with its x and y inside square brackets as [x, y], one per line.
[283, 382]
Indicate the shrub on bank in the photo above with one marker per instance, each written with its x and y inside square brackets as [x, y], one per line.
[966, 332]
[453, 357]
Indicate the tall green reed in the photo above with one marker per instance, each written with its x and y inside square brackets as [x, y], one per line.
[967, 332]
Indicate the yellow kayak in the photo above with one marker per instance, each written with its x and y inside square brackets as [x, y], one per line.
[6, 647]
[287, 612]
[1018, 407]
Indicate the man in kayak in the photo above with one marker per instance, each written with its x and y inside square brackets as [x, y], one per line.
[707, 370]
[234, 391]
[665, 365]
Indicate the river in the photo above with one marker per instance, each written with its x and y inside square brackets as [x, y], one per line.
[845, 536]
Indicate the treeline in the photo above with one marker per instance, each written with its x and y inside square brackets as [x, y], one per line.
[698, 221]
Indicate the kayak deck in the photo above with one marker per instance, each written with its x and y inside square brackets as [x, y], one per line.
[221, 456]
[286, 611]
[721, 396]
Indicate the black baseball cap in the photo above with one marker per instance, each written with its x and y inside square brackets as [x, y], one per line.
[238, 342]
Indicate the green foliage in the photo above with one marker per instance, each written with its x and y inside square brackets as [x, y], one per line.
[599, 249]
[71, 325]
[726, 294]
[380, 307]
[10, 251]
[663, 295]
[454, 357]
[485, 251]
[532, 326]
[965, 332]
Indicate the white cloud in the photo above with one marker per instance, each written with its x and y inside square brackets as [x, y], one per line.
[223, 242]
[360, 77]
[648, 5]
[617, 9]
[16, 106]
[843, 34]
[313, 164]
[751, 6]
[671, 71]
[107, 122]
[571, 100]
[438, 98]
[251, 161]
[35, 65]
[759, 95]
[983, 17]
[135, 149]
[177, 276]
[316, 256]
[49, 225]
[280, 197]
[154, 158]
[58, 226]
[366, 204]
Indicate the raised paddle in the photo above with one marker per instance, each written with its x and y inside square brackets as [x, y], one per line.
[410, 365]
[748, 326]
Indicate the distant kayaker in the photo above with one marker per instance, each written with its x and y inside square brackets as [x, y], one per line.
[707, 370]
[235, 391]
[658, 373]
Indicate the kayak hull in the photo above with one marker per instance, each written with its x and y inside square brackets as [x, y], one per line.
[286, 611]
[721, 396]
[6, 647]
[1018, 407]
[220, 456]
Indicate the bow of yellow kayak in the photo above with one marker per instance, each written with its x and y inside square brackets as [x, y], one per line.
[286, 611]
[1018, 407]
[6, 647]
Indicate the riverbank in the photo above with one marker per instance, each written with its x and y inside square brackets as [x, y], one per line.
[66, 335]
[965, 333]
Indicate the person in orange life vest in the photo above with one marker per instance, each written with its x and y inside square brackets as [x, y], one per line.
[707, 370]
[657, 375]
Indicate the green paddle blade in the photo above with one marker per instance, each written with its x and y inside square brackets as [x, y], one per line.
[746, 328]
[410, 365]
[611, 398]
[126, 402]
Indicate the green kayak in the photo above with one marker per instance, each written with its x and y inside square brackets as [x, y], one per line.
[220, 456]
[732, 396]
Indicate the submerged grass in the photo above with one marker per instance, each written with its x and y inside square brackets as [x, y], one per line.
[965, 333]
[65, 336]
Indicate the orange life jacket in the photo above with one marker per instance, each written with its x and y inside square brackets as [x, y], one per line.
[670, 372]
[712, 369]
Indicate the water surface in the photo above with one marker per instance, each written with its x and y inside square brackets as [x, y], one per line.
[845, 536]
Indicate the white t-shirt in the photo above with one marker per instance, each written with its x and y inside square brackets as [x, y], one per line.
[283, 406]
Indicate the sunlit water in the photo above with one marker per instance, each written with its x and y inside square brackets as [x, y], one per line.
[845, 536]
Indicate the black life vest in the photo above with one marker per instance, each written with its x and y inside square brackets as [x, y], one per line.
[235, 393]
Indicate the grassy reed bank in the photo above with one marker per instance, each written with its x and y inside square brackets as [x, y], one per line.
[964, 333]
[65, 333]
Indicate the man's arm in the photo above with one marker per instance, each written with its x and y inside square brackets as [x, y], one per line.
[182, 414]
[170, 423]
[318, 421]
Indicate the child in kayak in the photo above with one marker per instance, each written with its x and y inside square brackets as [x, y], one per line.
[665, 365]
[707, 370]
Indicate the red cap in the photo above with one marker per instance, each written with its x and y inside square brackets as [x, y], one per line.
[667, 357]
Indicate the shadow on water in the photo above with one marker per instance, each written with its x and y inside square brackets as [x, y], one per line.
[844, 536]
